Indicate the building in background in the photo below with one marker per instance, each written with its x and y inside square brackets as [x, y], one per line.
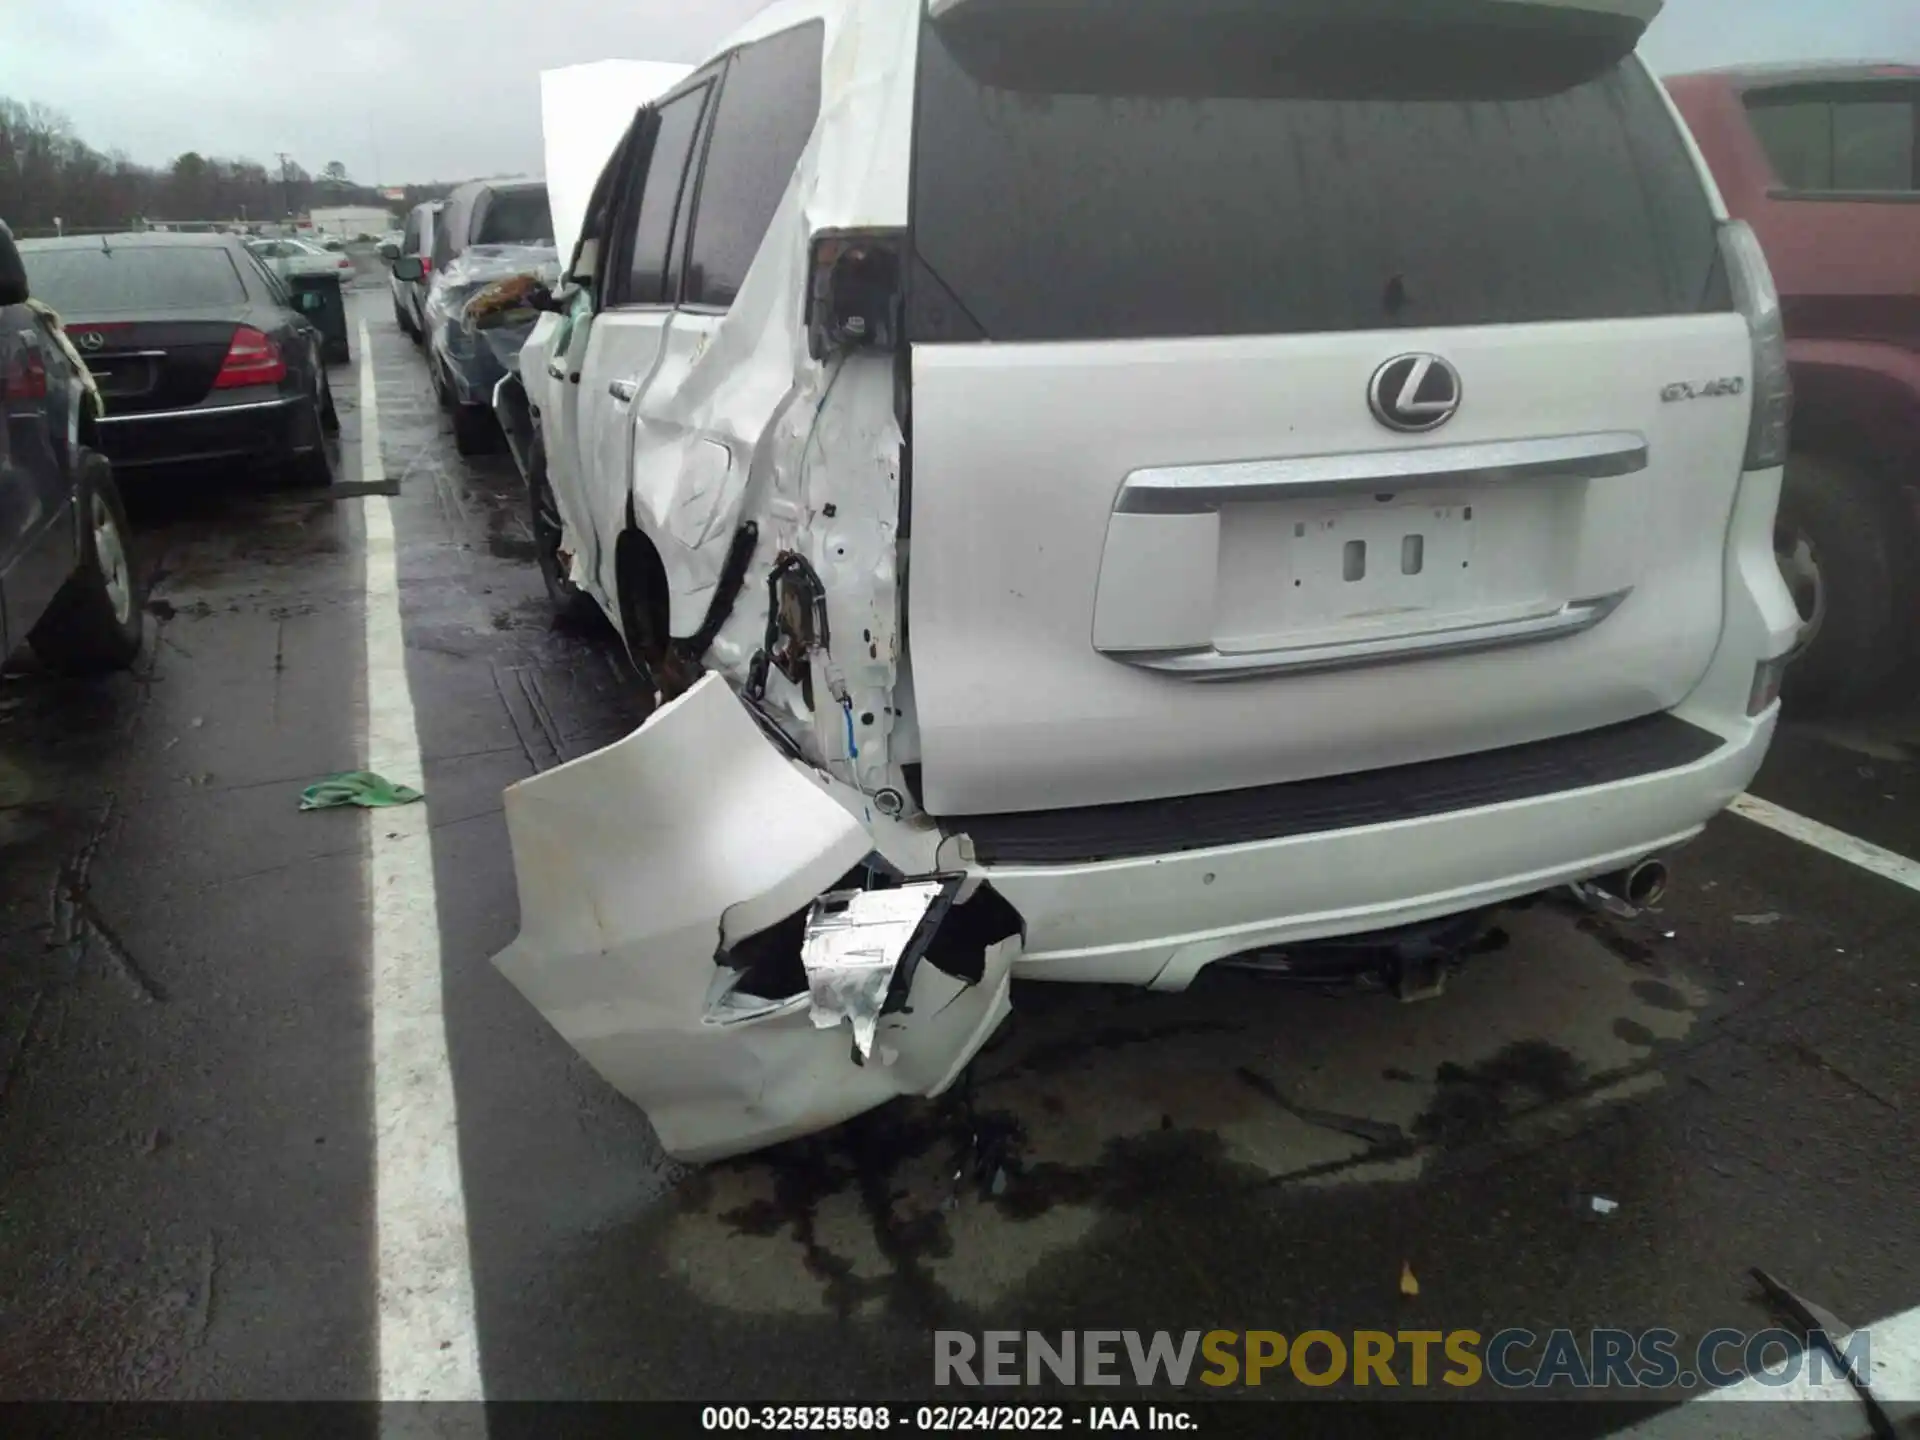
[347, 221]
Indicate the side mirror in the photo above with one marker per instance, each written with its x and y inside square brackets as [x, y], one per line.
[13, 271]
[408, 267]
[389, 250]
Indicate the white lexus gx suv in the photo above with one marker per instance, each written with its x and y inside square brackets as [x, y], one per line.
[1102, 487]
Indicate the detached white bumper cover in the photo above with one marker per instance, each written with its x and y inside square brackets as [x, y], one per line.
[640, 865]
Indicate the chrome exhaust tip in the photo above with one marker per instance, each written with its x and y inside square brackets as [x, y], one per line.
[1645, 885]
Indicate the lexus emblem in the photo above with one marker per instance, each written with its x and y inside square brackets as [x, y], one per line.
[89, 339]
[1412, 393]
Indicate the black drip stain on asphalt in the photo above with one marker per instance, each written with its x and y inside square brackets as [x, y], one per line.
[1473, 1102]
[865, 1155]
[1659, 995]
[981, 1158]
[1634, 1033]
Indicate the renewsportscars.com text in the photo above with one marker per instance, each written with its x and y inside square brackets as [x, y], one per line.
[1513, 1359]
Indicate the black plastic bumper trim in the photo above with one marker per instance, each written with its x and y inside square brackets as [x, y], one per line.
[1338, 802]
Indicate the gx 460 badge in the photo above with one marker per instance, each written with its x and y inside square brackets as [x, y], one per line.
[1704, 390]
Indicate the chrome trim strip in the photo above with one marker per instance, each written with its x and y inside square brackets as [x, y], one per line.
[201, 413]
[1208, 664]
[1197, 489]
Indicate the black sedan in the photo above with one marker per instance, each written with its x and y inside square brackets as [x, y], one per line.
[200, 352]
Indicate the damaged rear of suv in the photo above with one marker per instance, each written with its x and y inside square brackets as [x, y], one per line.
[1105, 488]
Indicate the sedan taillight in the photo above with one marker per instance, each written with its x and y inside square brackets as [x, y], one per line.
[252, 359]
[25, 377]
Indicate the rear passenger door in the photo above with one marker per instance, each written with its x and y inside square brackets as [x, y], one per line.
[687, 462]
[551, 360]
[640, 279]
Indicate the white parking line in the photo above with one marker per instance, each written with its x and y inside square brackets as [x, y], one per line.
[429, 1346]
[1884, 863]
[1790, 1396]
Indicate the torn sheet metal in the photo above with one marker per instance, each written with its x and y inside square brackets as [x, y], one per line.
[854, 943]
[812, 449]
[643, 866]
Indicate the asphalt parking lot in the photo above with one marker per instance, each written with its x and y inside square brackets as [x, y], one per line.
[196, 1199]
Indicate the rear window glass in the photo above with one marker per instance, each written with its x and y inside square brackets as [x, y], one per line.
[105, 281]
[1254, 176]
[516, 217]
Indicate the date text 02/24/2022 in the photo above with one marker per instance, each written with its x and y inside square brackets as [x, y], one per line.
[941, 1419]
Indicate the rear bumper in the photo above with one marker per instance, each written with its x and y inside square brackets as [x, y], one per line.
[1159, 919]
[257, 430]
[667, 886]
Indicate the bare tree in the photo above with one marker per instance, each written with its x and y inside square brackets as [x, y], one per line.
[47, 171]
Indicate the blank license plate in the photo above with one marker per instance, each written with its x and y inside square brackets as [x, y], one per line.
[1355, 563]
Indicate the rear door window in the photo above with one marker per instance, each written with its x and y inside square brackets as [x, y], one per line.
[1250, 174]
[276, 287]
[103, 281]
[768, 104]
[644, 281]
[1860, 139]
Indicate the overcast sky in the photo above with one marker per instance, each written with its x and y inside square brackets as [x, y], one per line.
[402, 90]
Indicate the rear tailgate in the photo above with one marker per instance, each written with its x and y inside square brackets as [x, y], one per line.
[1322, 427]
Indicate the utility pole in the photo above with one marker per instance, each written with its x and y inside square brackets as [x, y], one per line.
[286, 185]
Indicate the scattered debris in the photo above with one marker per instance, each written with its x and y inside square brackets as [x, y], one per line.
[1829, 1332]
[1408, 1285]
[357, 787]
[1808, 1055]
[77, 927]
[1374, 1132]
[1765, 917]
[203, 1309]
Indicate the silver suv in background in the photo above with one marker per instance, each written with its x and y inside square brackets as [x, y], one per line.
[1102, 491]
[486, 231]
[410, 294]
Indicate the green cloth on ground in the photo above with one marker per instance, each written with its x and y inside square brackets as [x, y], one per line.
[356, 787]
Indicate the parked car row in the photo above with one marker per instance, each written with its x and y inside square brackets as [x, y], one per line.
[464, 276]
[200, 352]
[1063, 542]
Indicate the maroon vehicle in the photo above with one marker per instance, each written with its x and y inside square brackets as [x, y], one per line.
[1824, 163]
